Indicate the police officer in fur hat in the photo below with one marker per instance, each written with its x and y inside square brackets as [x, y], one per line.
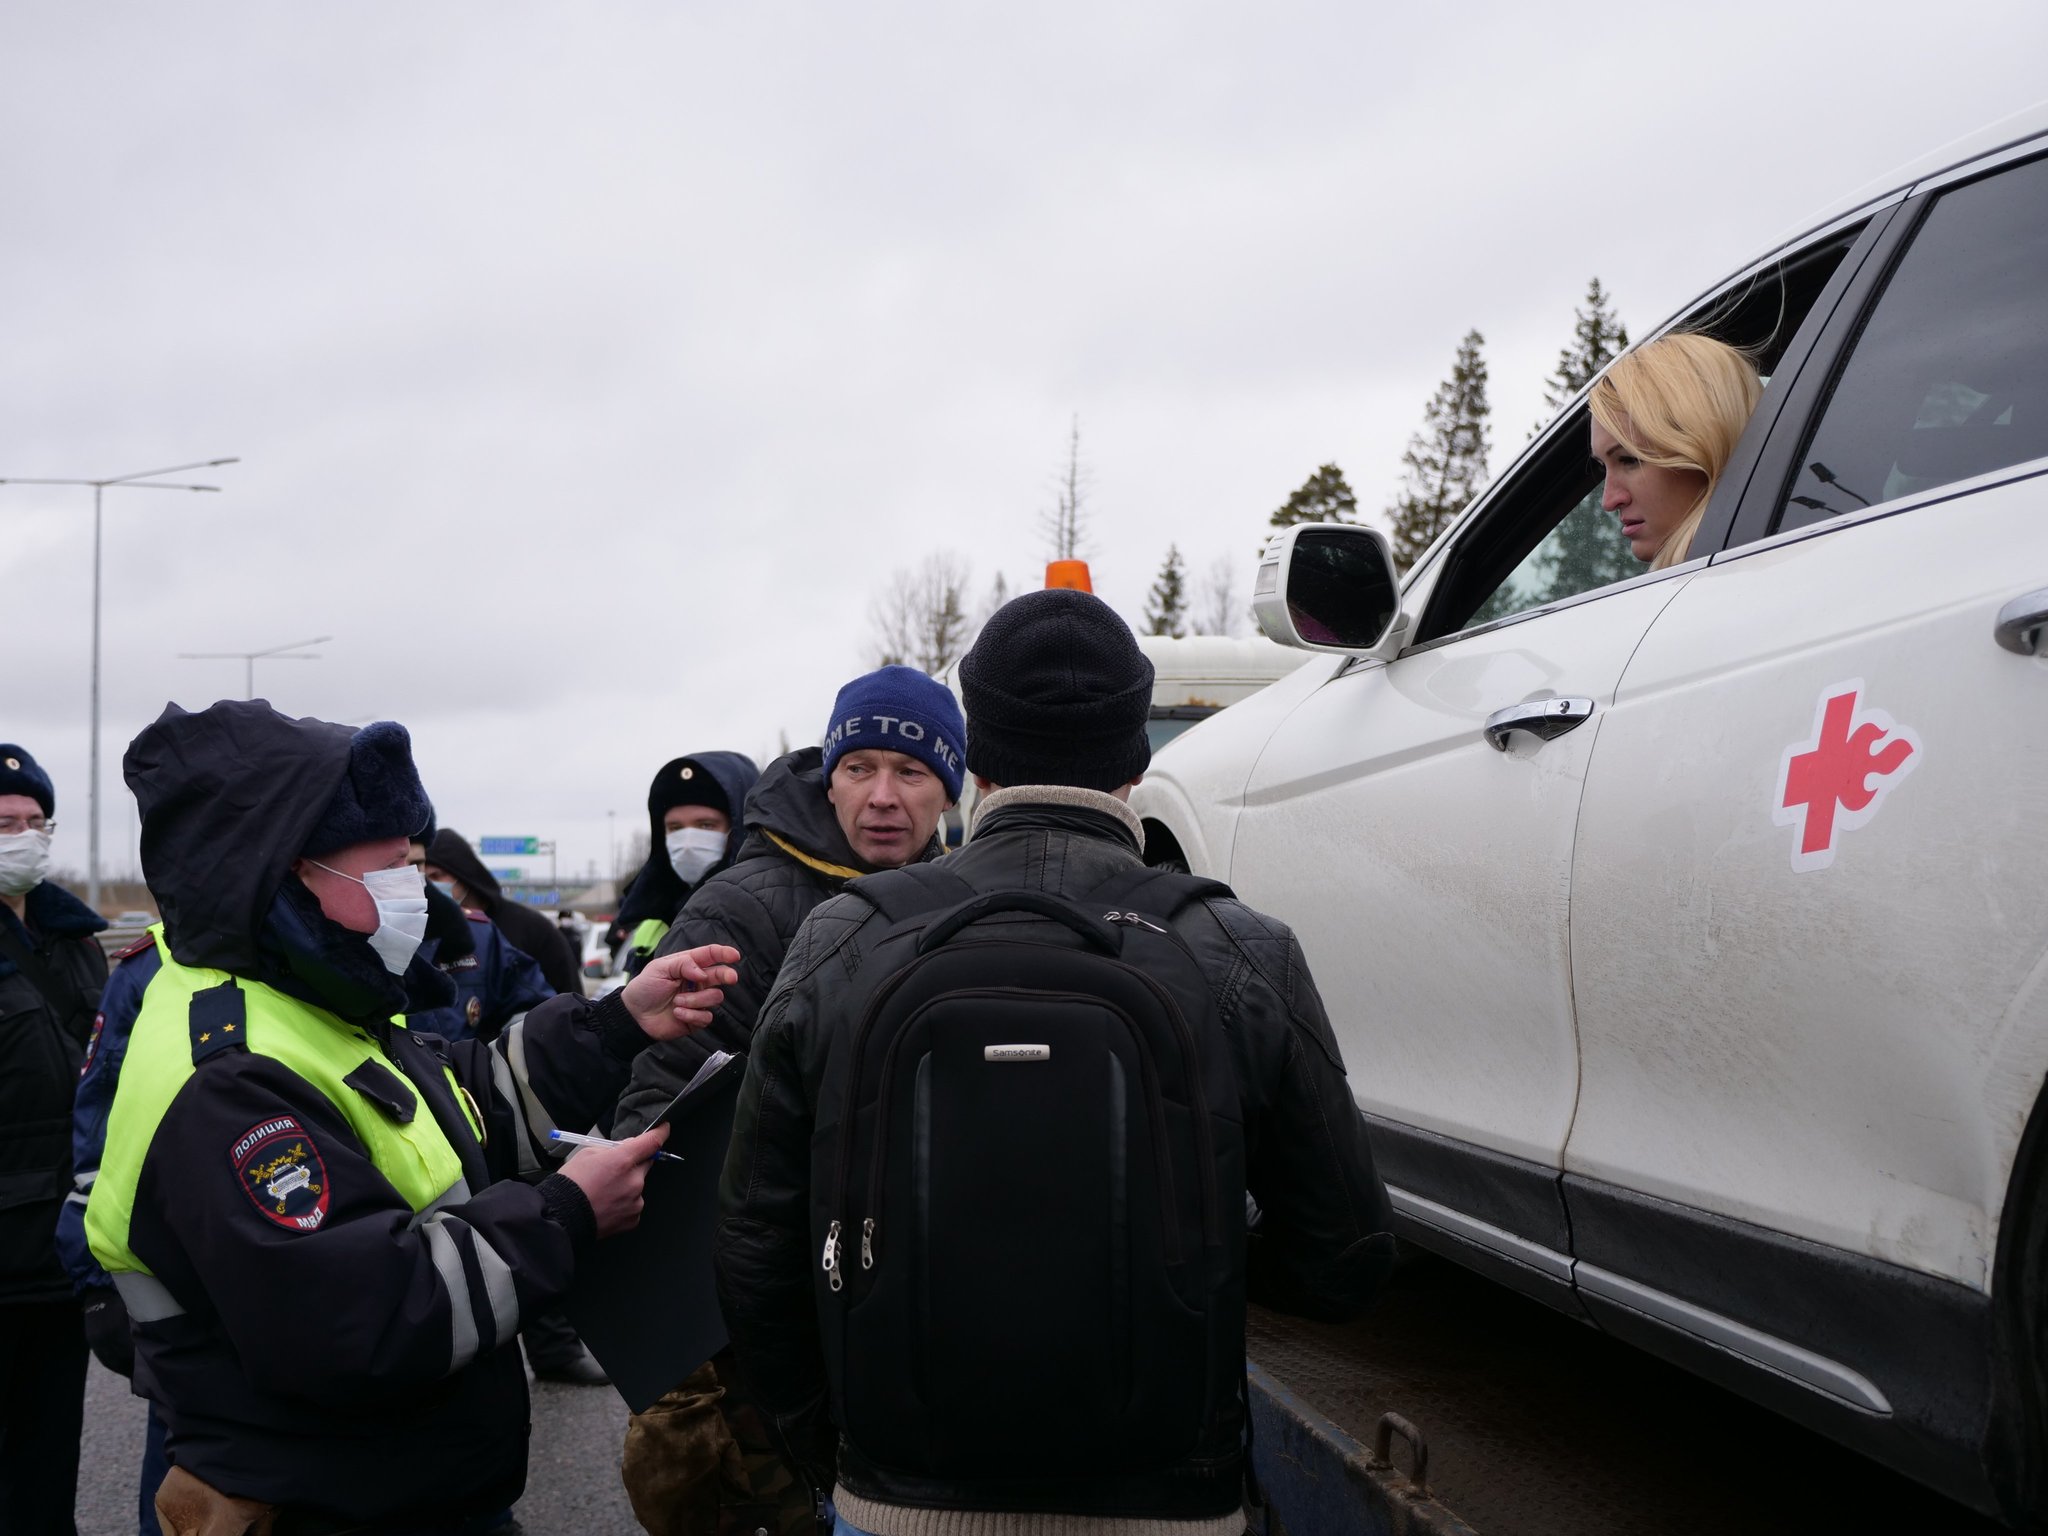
[313, 1214]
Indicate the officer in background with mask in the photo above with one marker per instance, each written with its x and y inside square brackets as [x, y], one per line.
[51, 973]
[315, 1216]
[693, 832]
[495, 980]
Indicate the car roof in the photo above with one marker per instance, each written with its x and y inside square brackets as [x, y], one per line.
[2016, 128]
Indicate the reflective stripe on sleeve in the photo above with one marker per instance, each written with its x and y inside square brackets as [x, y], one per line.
[461, 1314]
[508, 1092]
[498, 1286]
[539, 1122]
[455, 1194]
[147, 1298]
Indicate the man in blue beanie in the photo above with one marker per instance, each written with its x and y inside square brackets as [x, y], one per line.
[327, 1228]
[869, 798]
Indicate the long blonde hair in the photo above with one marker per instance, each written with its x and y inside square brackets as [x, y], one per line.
[1680, 402]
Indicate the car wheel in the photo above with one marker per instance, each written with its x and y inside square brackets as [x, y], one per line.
[2018, 1444]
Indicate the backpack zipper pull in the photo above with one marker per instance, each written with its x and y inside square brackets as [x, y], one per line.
[832, 1255]
[1132, 920]
[867, 1243]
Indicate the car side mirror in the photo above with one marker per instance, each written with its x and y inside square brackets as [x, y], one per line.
[1327, 587]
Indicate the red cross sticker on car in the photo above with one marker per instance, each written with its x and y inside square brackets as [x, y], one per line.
[1835, 780]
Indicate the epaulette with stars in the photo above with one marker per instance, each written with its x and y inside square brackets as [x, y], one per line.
[219, 1019]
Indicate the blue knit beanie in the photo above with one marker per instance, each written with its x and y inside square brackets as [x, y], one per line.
[900, 709]
[21, 775]
[380, 795]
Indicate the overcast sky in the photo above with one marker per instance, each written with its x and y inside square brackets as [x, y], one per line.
[592, 365]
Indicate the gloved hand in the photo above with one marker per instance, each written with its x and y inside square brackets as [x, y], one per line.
[106, 1330]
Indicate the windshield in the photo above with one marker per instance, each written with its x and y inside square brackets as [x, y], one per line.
[1166, 724]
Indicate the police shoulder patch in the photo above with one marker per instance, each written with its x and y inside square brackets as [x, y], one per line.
[92, 1046]
[282, 1173]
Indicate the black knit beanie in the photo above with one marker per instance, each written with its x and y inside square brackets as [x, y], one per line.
[1057, 692]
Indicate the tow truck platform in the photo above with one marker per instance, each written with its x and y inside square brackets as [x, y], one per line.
[1455, 1406]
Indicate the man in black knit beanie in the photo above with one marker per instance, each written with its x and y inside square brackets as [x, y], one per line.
[948, 1423]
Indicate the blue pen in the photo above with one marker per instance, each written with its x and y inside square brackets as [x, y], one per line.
[577, 1140]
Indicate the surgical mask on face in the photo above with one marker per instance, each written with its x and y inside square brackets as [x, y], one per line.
[445, 887]
[693, 850]
[401, 898]
[24, 861]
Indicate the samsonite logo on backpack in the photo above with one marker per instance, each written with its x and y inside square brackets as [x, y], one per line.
[1034, 1196]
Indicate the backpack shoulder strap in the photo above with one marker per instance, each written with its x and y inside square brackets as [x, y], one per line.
[1160, 892]
[912, 890]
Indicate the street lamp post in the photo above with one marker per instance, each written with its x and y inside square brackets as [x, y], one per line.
[142, 480]
[250, 658]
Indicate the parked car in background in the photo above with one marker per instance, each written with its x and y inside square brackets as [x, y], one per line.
[1686, 935]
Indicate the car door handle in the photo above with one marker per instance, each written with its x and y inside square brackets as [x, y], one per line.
[1543, 718]
[2018, 626]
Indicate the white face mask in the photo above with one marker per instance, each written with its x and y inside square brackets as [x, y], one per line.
[24, 861]
[693, 850]
[401, 898]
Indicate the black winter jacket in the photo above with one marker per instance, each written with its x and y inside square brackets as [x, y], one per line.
[359, 1366]
[41, 1048]
[794, 857]
[1323, 1245]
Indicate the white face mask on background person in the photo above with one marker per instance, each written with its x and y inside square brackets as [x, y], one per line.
[25, 861]
[401, 898]
[693, 850]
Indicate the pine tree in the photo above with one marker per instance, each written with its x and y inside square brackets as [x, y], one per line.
[1598, 338]
[1324, 497]
[1446, 460]
[1166, 609]
[1586, 550]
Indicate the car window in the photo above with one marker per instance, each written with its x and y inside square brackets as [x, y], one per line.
[1584, 551]
[1949, 378]
[1542, 536]
[1168, 722]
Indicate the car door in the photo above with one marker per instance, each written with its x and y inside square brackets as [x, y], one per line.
[1809, 926]
[1427, 871]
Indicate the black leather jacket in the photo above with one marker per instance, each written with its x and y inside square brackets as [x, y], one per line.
[1323, 1247]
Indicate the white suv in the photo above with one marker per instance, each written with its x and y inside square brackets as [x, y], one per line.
[1686, 934]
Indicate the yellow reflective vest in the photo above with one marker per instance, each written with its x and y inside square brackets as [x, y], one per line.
[187, 1014]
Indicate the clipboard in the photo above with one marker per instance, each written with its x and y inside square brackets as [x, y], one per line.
[646, 1302]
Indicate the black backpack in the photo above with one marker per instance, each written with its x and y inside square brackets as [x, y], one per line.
[1028, 1184]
